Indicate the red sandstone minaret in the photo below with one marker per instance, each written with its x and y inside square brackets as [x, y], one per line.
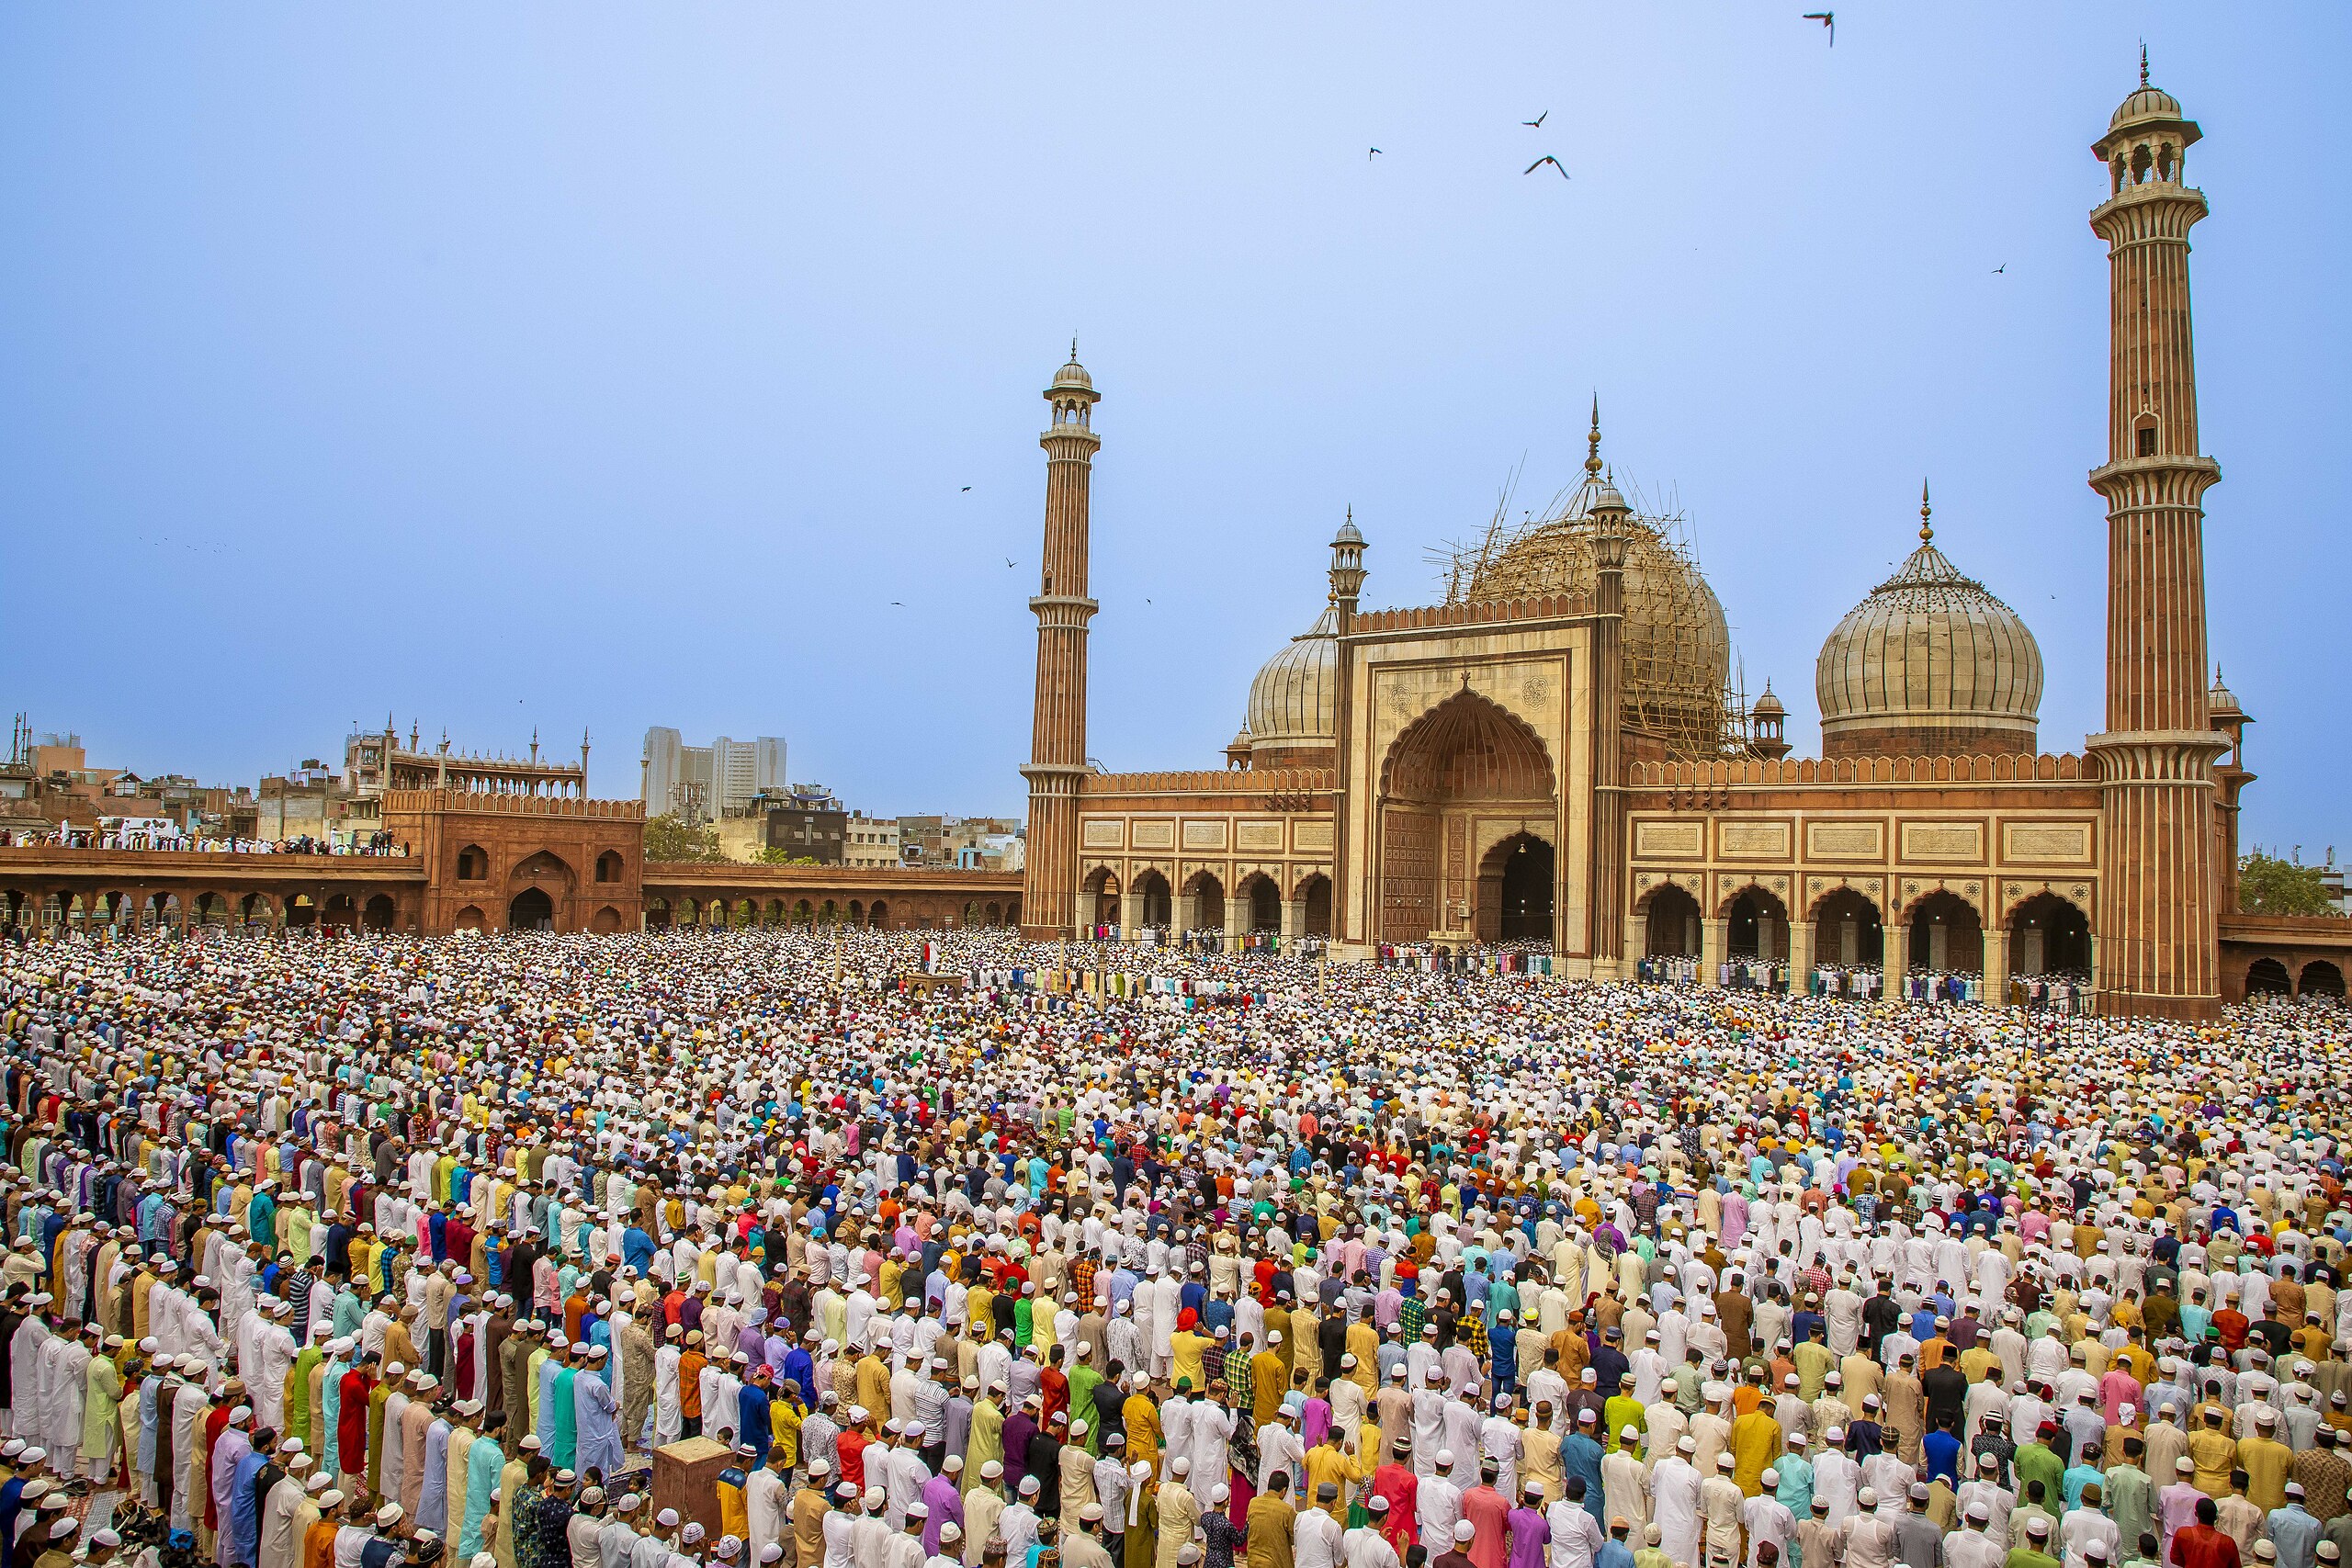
[1057, 733]
[2159, 886]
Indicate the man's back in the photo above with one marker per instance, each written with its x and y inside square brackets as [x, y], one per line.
[1273, 1525]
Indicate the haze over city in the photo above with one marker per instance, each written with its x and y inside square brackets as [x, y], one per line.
[576, 368]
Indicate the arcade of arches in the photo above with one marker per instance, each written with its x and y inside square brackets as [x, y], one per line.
[1942, 932]
[1255, 905]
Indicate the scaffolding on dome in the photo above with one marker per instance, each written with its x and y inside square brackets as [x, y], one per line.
[1681, 691]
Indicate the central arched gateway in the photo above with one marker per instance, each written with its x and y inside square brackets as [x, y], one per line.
[1462, 771]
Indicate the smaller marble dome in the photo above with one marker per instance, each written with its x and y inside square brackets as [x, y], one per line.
[1073, 374]
[1294, 703]
[2147, 103]
[1930, 662]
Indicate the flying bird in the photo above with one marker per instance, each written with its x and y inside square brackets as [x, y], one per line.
[1827, 19]
[899, 603]
[1537, 123]
[1010, 562]
[1547, 158]
[1369, 156]
[966, 488]
[2003, 267]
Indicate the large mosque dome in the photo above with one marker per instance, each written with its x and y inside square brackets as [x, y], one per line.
[1929, 664]
[1677, 642]
[1294, 703]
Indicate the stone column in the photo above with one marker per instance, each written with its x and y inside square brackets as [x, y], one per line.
[1997, 967]
[1894, 956]
[1637, 940]
[1293, 919]
[1800, 957]
[1711, 950]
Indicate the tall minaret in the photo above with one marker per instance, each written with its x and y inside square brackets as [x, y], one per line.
[2159, 887]
[1606, 876]
[1057, 728]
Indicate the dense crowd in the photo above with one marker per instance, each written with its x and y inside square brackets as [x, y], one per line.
[345, 1253]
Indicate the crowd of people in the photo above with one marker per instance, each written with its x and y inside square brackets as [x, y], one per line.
[714, 1249]
[169, 836]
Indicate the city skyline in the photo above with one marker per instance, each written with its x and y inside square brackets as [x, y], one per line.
[1861, 337]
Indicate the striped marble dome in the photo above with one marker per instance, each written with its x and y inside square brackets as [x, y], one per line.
[1930, 650]
[1294, 700]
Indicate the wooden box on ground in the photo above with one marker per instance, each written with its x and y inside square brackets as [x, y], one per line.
[686, 1477]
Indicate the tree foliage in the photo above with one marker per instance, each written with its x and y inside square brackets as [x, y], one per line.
[2269, 885]
[669, 839]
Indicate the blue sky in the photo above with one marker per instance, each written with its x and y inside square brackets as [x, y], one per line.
[600, 364]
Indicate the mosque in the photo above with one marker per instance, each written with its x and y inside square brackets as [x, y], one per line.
[1555, 754]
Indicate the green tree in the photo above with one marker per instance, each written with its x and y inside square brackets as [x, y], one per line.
[669, 839]
[773, 855]
[2268, 885]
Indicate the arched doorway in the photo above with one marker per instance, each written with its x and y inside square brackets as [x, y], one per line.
[1103, 889]
[1464, 757]
[1265, 902]
[2320, 978]
[1673, 925]
[2268, 977]
[2049, 936]
[1846, 933]
[470, 918]
[606, 921]
[1516, 879]
[1205, 897]
[380, 913]
[1315, 893]
[878, 917]
[342, 911]
[1946, 935]
[1155, 904]
[1756, 925]
[531, 910]
[300, 910]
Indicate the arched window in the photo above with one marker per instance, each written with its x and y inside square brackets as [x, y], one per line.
[473, 863]
[610, 867]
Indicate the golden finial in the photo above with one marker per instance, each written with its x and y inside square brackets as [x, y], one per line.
[1592, 442]
[1926, 530]
[2143, 62]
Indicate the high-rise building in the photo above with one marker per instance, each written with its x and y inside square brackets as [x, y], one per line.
[743, 769]
[701, 783]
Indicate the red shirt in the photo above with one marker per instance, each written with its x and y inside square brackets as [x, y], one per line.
[2202, 1546]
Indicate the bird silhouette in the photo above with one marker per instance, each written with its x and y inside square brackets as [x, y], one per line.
[1827, 19]
[1010, 562]
[1370, 155]
[899, 603]
[1537, 123]
[2003, 267]
[1547, 158]
[966, 488]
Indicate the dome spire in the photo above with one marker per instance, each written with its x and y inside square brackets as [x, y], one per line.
[2143, 62]
[1927, 528]
[1592, 442]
